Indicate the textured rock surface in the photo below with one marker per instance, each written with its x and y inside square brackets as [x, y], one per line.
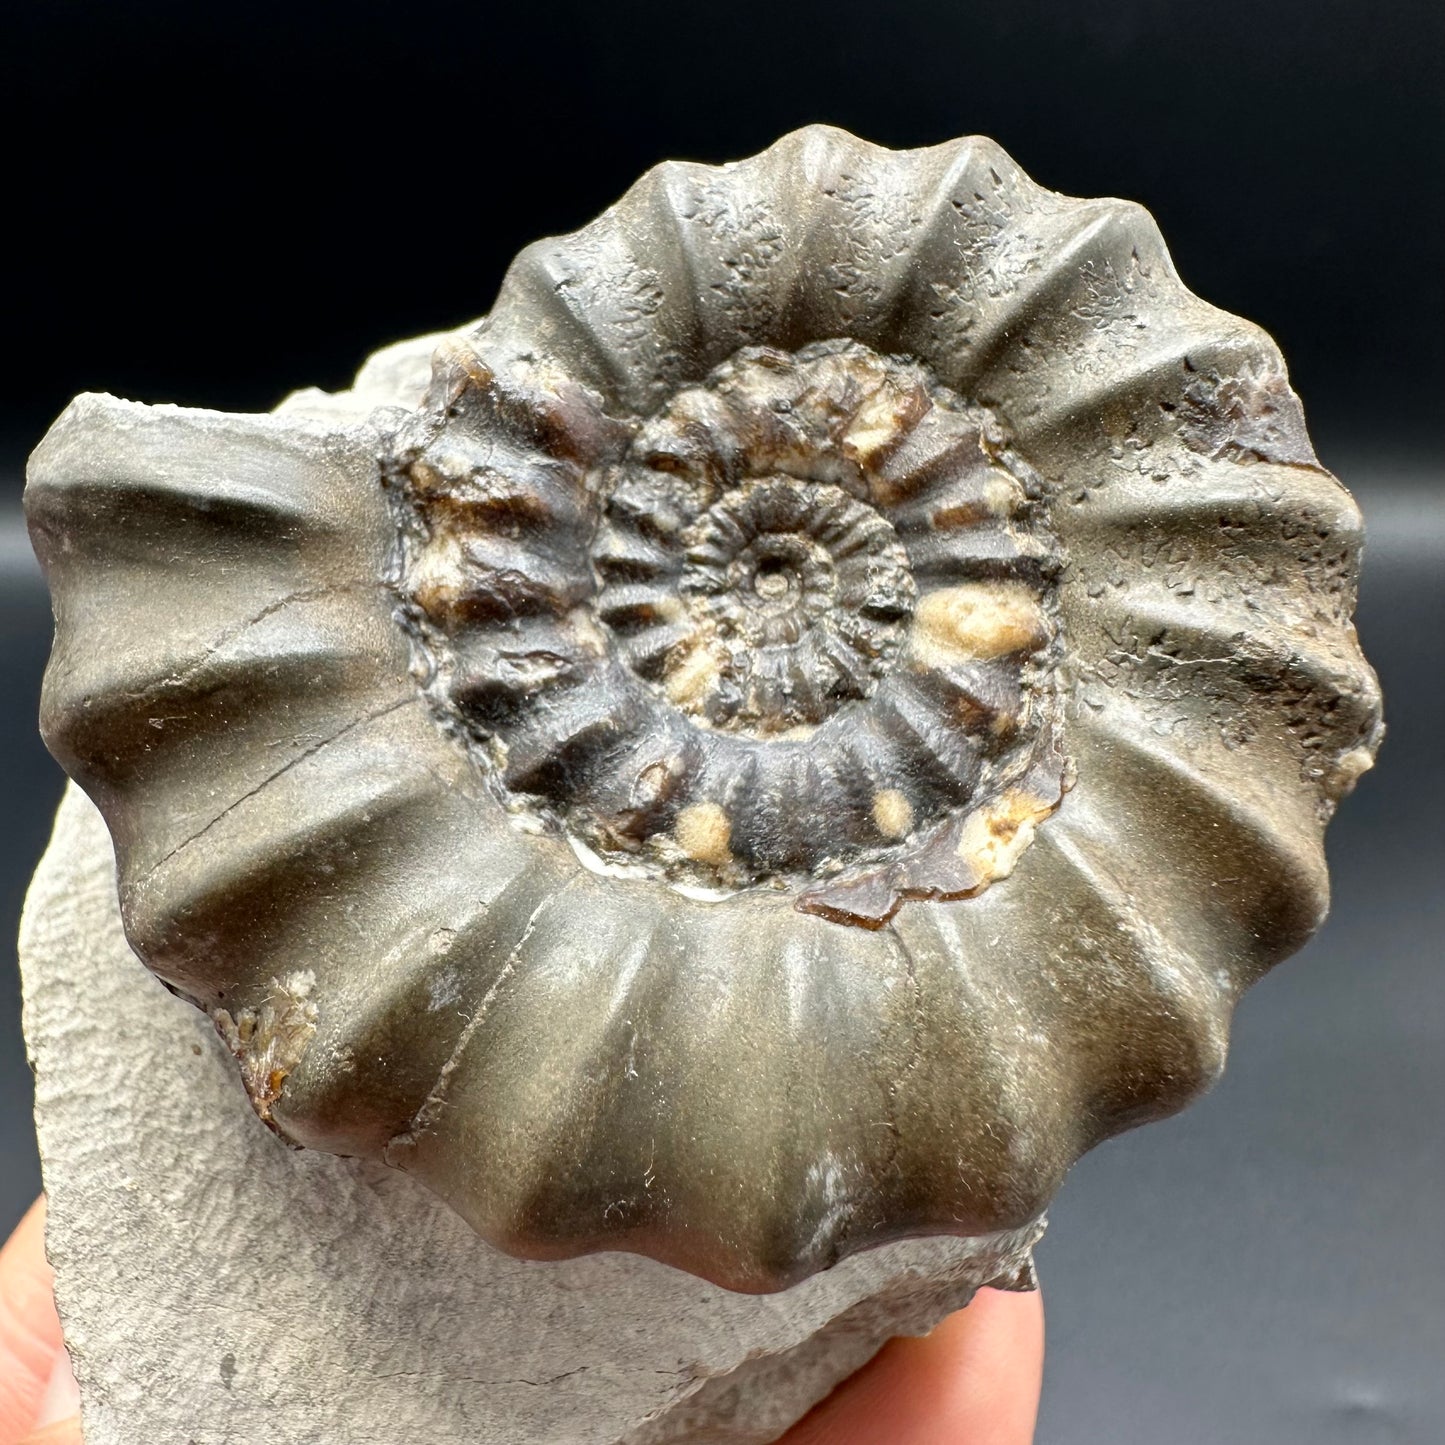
[217, 1287]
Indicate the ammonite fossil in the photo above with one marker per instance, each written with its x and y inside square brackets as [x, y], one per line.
[778, 738]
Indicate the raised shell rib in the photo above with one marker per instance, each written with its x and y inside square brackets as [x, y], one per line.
[580, 1061]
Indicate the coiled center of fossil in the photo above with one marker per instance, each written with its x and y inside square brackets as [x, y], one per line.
[773, 579]
[791, 598]
[795, 625]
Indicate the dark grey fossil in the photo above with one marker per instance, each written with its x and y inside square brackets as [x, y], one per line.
[782, 735]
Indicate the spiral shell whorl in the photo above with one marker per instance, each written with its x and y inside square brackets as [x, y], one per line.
[782, 629]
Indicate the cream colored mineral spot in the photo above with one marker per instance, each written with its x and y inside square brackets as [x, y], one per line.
[994, 838]
[978, 620]
[1002, 495]
[703, 832]
[695, 675]
[893, 813]
[877, 424]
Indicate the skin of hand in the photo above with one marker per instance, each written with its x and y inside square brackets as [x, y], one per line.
[39, 1403]
[974, 1381]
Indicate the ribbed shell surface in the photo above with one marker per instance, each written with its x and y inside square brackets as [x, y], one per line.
[408, 967]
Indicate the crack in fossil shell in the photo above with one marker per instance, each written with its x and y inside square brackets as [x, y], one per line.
[436, 1098]
[370, 716]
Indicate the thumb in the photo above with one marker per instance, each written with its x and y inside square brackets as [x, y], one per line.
[36, 1385]
[974, 1381]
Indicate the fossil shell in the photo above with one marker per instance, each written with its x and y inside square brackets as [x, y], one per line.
[778, 738]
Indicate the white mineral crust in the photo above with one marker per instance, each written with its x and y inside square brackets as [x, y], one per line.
[218, 1287]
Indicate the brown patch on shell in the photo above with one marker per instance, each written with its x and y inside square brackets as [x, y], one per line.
[269, 1041]
[959, 858]
[1245, 418]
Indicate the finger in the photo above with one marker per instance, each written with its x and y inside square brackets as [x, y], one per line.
[30, 1338]
[63, 1432]
[974, 1381]
[61, 1402]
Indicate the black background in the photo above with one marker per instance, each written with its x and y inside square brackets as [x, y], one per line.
[217, 202]
[214, 204]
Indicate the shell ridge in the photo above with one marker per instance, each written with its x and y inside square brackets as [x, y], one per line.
[1185, 992]
[151, 715]
[1007, 1162]
[52, 470]
[542, 273]
[621, 1198]
[1208, 433]
[1264, 825]
[177, 917]
[1054, 272]
[1215, 495]
[667, 205]
[437, 1098]
[954, 160]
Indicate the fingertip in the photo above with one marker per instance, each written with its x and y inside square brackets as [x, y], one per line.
[975, 1378]
[991, 1357]
[31, 1342]
[61, 1400]
[63, 1432]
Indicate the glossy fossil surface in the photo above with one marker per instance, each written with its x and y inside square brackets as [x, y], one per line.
[798, 723]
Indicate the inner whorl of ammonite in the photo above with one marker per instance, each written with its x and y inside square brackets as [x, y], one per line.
[786, 598]
[795, 627]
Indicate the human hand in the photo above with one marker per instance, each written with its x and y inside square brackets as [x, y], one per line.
[39, 1403]
[973, 1381]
